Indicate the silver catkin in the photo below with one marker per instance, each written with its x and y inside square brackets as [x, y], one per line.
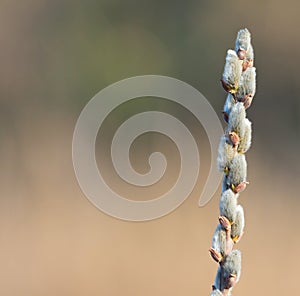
[247, 84]
[236, 121]
[245, 141]
[237, 228]
[232, 265]
[219, 240]
[243, 40]
[250, 53]
[228, 204]
[225, 154]
[237, 171]
[232, 71]
[216, 292]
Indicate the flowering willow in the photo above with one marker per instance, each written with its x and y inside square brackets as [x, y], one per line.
[239, 81]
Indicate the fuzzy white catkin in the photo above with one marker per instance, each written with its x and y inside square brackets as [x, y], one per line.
[216, 293]
[237, 228]
[236, 121]
[225, 154]
[219, 240]
[247, 84]
[237, 170]
[228, 204]
[232, 265]
[245, 141]
[232, 70]
[250, 53]
[228, 104]
[243, 40]
[217, 283]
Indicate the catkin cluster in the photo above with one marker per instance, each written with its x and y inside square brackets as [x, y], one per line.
[239, 81]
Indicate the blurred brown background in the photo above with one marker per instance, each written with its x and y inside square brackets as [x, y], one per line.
[55, 55]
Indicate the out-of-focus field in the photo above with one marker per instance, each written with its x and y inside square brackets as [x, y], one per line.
[55, 55]
[53, 241]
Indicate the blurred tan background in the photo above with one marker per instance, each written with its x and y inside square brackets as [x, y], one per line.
[55, 55]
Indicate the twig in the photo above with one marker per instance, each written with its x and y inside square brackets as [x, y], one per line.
[239, 81]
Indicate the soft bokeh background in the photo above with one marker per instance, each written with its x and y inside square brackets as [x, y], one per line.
[55, 55]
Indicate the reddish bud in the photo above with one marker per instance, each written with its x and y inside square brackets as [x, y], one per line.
[247, 64]
[241, 54]
[241, 187]
[234, 139]
[215, 255]
[247, 100]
